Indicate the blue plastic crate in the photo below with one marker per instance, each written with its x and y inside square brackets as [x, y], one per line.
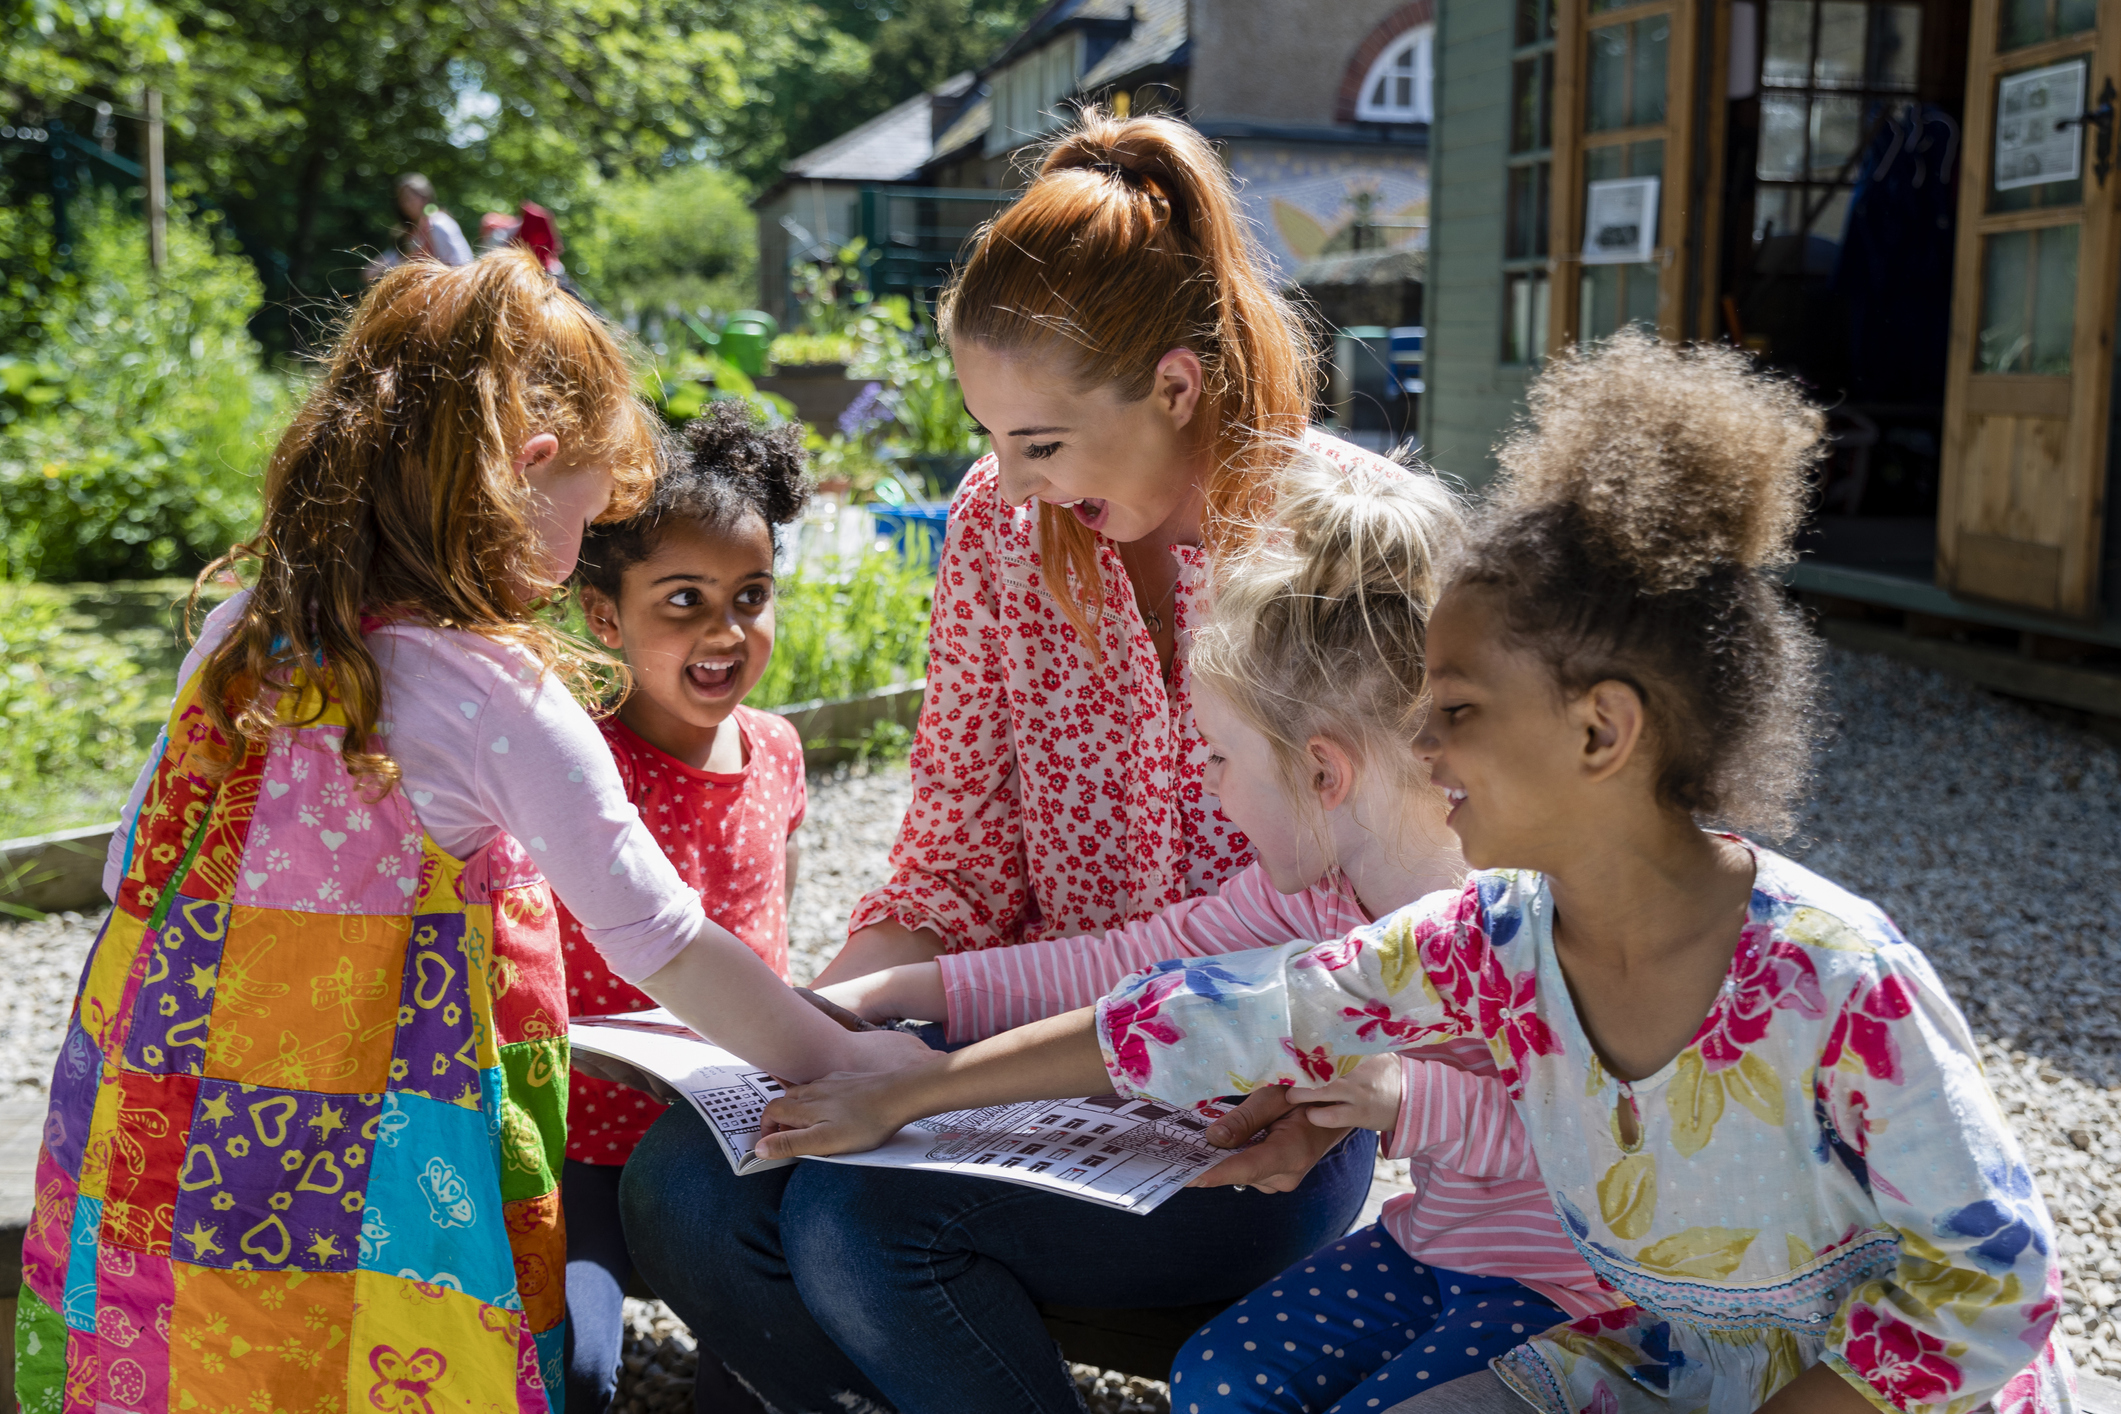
[919, 523]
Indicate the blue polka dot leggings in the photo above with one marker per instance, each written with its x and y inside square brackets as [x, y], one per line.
[1355, 1327]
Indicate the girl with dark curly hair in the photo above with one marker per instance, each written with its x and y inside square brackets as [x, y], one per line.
[683, 591]
[1760, 1116]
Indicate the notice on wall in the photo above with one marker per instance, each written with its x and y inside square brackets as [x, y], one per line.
[1620, 221]
[2030, 147]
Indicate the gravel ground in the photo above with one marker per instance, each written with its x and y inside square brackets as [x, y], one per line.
[847, 833]
[1990, 833]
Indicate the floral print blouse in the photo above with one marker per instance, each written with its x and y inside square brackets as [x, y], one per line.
[1821, 1174]
[1055, 791]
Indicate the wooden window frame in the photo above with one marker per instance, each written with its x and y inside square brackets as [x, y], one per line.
[1689, 194]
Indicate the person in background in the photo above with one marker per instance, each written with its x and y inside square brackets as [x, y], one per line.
[684, 592]
[531, 226]
[428, 231]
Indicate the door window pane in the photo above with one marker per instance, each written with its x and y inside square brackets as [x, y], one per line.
[1836, 130]
[1782, 133]
[2024, 22]
[1789, 44]
[1649, 38]
[1535, 22]
[1839, 62]
[1610, 296]
[1895, 47]
[1625, 86]
[1608, 79]
[1525, 228]
[1525, 317]
[2028, 301]
[1524, 105]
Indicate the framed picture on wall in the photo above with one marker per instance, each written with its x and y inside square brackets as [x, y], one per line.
[1620, 221]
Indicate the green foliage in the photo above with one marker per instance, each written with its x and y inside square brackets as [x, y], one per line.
[682, 238]
[73, 710]
[294, 116]
[814, 70]
[135, 415]
[927, 408]
[808, 348]
[846, 628]
[53, 51]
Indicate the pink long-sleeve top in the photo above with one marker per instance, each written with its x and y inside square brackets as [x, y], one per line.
[1479, 1204]
[486, 743]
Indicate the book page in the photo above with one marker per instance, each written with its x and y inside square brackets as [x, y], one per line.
[1105, 1149]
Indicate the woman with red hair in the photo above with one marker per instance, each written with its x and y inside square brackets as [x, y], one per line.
[1143, 385]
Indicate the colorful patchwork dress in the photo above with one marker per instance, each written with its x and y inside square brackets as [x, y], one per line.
[1821, 1176]
[307, 1122]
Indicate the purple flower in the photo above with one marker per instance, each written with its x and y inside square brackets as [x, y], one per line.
[864, 412]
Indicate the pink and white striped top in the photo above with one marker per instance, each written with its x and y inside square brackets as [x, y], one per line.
[1478, 1206]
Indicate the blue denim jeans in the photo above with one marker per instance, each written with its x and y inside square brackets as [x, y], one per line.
[830, 1288]
[597, 1270]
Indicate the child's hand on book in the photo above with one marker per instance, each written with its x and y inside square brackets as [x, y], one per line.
[1288, 1146]
[843, 1113]
[1367, 1097]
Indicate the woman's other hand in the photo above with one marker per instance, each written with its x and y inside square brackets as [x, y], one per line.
[911, 992]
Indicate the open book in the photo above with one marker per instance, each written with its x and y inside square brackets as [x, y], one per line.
[1125, 1154]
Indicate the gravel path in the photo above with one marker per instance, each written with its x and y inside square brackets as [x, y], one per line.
[1990, 833]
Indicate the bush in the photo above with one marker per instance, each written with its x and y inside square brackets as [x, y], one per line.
[134, 414]
[683, 238]
[844, 629]
[74, 705]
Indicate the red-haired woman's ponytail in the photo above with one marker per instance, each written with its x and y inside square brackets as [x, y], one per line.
[1128, 244]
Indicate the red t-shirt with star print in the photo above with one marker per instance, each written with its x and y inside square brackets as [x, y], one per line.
[728, 837]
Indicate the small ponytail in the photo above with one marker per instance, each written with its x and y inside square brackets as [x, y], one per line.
[1320, 625]
[1130, 243]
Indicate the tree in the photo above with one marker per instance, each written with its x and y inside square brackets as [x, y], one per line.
[813, 71]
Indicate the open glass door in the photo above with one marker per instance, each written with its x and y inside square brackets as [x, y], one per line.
[2029, 383]
[1626, 121]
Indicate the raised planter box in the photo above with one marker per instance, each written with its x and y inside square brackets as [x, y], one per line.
[833, 730]
[57, 872]
[63, 872]
[820, 391]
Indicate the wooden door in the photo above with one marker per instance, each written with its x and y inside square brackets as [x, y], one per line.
[1627, 105]
[2033, 303]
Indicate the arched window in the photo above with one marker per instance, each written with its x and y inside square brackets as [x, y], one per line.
[1396, 90]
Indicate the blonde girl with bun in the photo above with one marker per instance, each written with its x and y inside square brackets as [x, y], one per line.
[305, 1128]
[1144, 386]
[1760, 1116]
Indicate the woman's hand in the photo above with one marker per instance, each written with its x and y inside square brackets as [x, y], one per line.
[912, 992]
[1367, 1097]
[844, 1113]
[1290, 1144]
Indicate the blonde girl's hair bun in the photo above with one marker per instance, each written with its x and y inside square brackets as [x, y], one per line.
[1319, 626]
[1673, 461]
